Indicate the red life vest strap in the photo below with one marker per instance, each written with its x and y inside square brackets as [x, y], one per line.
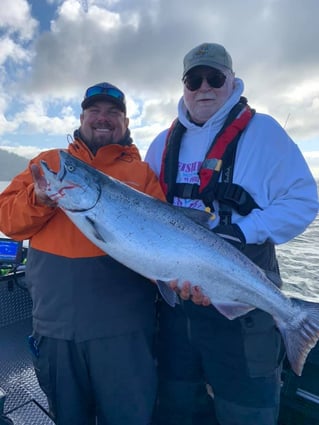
[213, 161]
[222, 150]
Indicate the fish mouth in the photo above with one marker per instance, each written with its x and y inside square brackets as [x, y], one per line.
[50, 174]
[51, 177]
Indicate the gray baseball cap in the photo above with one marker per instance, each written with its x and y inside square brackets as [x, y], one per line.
[207, 54]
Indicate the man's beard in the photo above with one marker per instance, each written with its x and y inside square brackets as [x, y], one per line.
[102, 140]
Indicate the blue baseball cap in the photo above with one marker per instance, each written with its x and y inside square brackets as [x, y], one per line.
[104, 92]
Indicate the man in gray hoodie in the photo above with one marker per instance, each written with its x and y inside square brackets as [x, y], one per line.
[242, 165]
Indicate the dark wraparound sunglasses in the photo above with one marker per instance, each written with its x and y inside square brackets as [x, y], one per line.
[194, 81]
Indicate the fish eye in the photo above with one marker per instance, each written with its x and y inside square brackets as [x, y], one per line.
[70, 168]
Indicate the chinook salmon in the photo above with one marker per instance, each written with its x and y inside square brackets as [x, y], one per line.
[164, 243]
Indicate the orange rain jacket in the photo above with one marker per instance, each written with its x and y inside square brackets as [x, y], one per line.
[78, 292]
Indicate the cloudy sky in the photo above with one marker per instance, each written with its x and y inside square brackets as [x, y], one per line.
[51, 50]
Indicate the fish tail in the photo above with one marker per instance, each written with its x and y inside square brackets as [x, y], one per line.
[301, 334]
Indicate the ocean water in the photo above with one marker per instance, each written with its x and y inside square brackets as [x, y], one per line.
[299, 264]
[298, 261]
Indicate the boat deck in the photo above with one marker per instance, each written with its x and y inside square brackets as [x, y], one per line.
[26, 404]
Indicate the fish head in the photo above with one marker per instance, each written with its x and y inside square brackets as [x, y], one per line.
[75, 187]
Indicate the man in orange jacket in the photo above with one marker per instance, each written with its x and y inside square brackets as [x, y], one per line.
[93, 318]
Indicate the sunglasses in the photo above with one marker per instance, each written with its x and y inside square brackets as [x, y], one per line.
[194, 81]
[105, 89]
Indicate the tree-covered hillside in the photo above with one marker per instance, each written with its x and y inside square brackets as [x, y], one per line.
[10, 165]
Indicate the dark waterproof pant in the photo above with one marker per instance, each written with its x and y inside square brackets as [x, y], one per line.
[107, 381]
[240, 359]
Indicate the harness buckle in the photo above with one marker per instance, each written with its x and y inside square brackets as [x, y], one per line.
[212, 164]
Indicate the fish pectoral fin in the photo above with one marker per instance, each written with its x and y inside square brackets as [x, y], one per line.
[95, 229]
[232, 310]
[167, 293]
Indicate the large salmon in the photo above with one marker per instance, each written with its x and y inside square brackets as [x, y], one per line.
[164, 243]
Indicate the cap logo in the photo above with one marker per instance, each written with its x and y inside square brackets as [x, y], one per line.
[202, 51]
[207, 54]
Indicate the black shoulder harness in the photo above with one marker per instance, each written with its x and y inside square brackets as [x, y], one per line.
[219, 159]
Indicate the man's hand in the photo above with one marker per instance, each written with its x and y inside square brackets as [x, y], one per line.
[188, 291]
[40, 185]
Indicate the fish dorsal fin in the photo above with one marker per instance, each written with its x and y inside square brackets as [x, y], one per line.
[167, 293]
[198, 216]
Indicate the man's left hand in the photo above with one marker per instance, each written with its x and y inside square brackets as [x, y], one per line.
[40, 185]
